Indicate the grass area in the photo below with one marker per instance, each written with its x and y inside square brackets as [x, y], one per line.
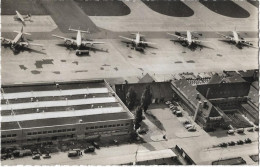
[170, 8]
[226, 8]
[103, 8]
[24, 7]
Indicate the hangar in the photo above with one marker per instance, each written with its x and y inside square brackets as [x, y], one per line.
[38, 113]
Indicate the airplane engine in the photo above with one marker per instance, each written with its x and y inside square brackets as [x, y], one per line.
[67, 43]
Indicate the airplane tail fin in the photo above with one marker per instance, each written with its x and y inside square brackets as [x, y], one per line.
[71, 29]
[141, 35]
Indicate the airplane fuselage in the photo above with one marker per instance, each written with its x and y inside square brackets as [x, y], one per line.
[235, 37]
[78, 39]
[19, 16]
[17, 38]
[189, 40]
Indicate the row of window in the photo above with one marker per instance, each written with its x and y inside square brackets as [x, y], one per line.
[103, 132]
[8, 141]
[51, 131]
[106, 126]
[9, 135]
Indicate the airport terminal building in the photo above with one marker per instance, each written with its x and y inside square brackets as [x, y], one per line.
[38, 113]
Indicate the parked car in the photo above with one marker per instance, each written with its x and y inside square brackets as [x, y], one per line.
[231, 131]
[186, 122]
[89, 148]
[174, 112]
[231, 143]
[187, 126]
[256, 128]
[36, 156]
[143, 131]
[95, 144]
[240, 142]
[115, 141]
[248, 140]
[223, 145]
[73, 153]
[250, 129]
[192, 129]
[178, 113]
[168, 102]
[46, 156]
[240, 130]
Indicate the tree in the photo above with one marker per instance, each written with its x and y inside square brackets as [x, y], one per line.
[130, 98]
[138, 117]
[146, 98]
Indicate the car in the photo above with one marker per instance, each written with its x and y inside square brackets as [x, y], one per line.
[187, 126]
[248, 140]
[115, 141]
[73, 153]
[192, 129]
[240, 142]
[231, 131]
[89, 148]
[168, 102]
[240, 130]
[171, 106]
[36, 156]
[256, 128]
[46, 156]
[186, 122]
[231, 143]
[178, 113]
[250, 129]
[223, 145]
[143, 131]
[96, 145]
[174, 112]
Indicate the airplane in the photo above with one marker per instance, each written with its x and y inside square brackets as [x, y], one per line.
[137, 42]
[19, 41]
[236, 40]
[188, 41]
[78, 42]
[21, 18]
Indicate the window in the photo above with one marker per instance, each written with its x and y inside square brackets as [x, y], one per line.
[105, 126]
[109, 125]
[68, 130]
[3, 136]
[100, 126]
[87, 128]
[49, 131]
[39, 132]
[122, 124]
[9, 135]
[34, 133]
[114, 125]
[126, 124]
[3, 142]
[59, 131]
[96, 127]
[63, 130]
[118, 125]
[92, 127]
[73, 129]
[13, 135]
[44, 132]
[54, 131]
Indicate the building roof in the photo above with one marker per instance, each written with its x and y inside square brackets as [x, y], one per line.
[59, 105]
[154, 155]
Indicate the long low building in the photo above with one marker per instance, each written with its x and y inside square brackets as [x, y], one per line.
[38, 113]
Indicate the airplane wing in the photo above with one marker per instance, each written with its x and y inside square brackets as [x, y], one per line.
[150, 43]
[129, 39]
[64, 38]
[199, 41]
[6, 41]
[247, 43]
[177, 36]
[29, 44]
[91, 42]
[224, 36]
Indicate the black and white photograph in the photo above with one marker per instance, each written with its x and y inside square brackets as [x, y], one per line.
[129, 82]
